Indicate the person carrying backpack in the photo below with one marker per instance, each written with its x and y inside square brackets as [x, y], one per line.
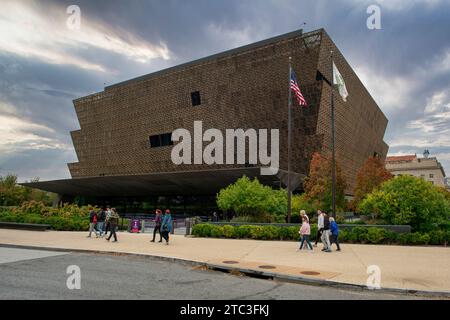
[166, 225]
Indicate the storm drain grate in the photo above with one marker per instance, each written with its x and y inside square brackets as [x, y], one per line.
[310, 273]
[267, 267]
[230, 262]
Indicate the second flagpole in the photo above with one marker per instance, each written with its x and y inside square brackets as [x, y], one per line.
[333, 142]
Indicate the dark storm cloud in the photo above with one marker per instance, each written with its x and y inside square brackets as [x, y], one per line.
[403, 64]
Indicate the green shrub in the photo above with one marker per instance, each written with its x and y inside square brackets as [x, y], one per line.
[197, 230]
[256, 232]
[228, 231]
[248, 197]
[376, 235]
[293, 233]
[372, 235]
[359, 234]
[343, 235]
[408, 200]
[216, 231]
[284, 233]
[391, 237]
[424, 238]
[243, 232]
[270, 233]
[313, 231]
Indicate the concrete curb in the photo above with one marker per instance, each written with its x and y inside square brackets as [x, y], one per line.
[249, 272]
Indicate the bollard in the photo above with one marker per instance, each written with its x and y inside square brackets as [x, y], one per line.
[173, 226]
[142, 226]
[188, 226]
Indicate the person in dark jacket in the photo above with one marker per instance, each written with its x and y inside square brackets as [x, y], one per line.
[158, 220]
[319, 227]
[334, 229]
[113, 222]
[101, 217]
[166, 225]
[92, 223]
[108, 215]
[326, 233]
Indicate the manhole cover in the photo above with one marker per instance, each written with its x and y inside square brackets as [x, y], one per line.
[230, 262]
[310, 273]
[267, 267]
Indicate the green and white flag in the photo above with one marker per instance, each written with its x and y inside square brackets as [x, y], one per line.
[339, 80]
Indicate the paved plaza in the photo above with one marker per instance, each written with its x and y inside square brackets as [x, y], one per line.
[402, 267]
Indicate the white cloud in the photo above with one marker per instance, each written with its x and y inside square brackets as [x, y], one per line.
[401, 5]
[408, 4]
[27, 30]
[439, 102]
[18, 134]
[391, 93]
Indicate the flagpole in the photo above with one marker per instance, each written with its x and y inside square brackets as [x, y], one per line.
[333, 142]
[289, 145]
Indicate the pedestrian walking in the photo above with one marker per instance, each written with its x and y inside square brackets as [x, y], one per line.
[166, 225]
[305, 232]
[158, 220]
[334, 229]
[319, 226]
[108, 216]
[92, 223]
[326, 234]
[101, 221]
[303, 215]
[113, 222]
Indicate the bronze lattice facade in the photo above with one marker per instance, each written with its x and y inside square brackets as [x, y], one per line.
[242, 88]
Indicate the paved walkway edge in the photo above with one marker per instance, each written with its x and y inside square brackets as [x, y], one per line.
[250, 272]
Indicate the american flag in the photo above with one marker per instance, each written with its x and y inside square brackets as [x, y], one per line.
[296, 90]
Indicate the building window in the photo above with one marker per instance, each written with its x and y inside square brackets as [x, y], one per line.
[195, 97]
[161, 140]
[431, 175]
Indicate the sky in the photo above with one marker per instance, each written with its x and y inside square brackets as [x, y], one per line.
[45, 64]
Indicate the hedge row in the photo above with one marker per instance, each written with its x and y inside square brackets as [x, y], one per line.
[371, 235]
[56, 223]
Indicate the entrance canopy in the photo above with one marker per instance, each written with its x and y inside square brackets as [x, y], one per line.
[202, 182]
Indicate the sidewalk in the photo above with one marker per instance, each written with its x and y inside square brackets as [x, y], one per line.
[402, 267]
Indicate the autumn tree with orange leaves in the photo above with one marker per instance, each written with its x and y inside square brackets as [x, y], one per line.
[318, 184]
[370, 176]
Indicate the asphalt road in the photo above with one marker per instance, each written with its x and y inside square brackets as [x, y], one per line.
[33, 274]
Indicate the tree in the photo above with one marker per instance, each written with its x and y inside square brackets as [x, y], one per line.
[318, 184]
[250, 198]
[408, 200]
[12, 194]
[370, 176]
[9, 193]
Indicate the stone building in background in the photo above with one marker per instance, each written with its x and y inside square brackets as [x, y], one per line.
[428, 168]
[124, 141]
